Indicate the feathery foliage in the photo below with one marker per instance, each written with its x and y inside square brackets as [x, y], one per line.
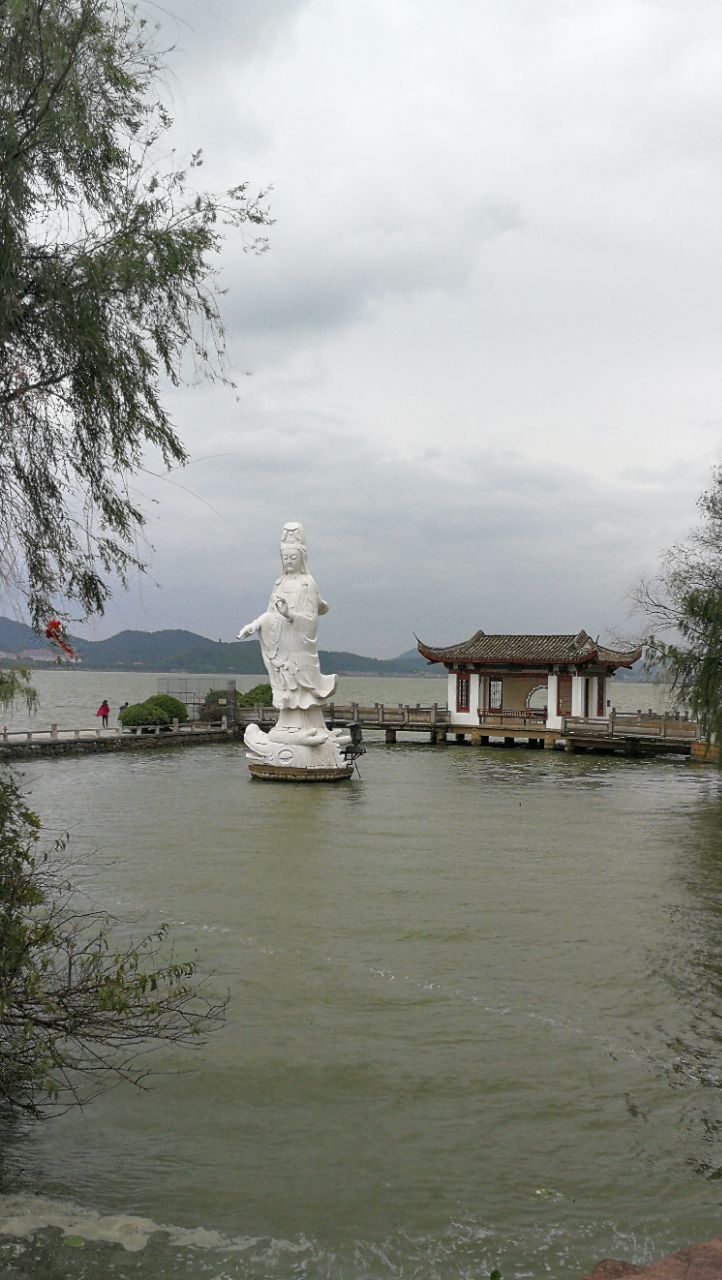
[77, 1012]
[107, 289]
[108, 292]
[686, 598]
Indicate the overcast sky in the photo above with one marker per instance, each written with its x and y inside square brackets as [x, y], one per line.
[481, 360]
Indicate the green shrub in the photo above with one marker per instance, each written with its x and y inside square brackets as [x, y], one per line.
[173, 707]
[141, 713]
[75, 1010]
[214, 703]
[261, 695]
[213, 708]
[212, 697]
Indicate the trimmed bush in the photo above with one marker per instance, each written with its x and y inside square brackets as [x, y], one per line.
[261, 695]
[213, 708]
[173, 707]
[141, 713]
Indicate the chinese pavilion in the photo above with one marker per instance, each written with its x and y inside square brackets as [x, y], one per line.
[494, 678]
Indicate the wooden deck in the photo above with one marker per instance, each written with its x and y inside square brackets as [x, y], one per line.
[632, 734]
[391, 718]
[635, 733]
[625, 734]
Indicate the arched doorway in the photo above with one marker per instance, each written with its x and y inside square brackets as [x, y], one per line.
[537, 698]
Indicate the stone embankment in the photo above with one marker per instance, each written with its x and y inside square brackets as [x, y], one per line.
[702, 751]
[84, 741]
[698, 1262]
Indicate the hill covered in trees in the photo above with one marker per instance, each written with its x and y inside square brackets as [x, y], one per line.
[178, 650]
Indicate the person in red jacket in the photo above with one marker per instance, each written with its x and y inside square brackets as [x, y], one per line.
[104, 712]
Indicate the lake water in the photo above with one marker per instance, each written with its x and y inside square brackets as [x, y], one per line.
[474, 1018]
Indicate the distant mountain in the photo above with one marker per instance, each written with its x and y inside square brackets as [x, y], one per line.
[169, 651]
[639, 674]
[186, 651]
[15, 636]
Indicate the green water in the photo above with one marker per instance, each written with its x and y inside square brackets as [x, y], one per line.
[474, 1021]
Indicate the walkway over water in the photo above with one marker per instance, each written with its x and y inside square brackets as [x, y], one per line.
[629, 733]
[634, 733]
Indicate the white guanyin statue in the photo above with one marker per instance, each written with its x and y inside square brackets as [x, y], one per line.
[287, 634]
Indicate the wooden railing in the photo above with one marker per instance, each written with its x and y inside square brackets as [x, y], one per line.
[526, 717]
[380, 714]
[634, 724]
[384, 716]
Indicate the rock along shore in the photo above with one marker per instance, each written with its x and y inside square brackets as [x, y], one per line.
[698, 1262]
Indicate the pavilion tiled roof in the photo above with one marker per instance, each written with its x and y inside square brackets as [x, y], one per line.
[528, 651]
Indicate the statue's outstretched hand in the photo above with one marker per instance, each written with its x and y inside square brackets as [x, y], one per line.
[246, 632]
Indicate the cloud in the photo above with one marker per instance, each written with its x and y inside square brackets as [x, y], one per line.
[397, 546]
[223, 30]
[484, 345]
[344, 269]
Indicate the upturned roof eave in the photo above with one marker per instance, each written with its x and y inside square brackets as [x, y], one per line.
[621, 660]
[453, 654]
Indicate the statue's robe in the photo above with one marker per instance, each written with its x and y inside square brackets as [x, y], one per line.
[289, 647]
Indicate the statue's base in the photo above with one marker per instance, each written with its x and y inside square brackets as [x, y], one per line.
[299, 748]
[285, 773]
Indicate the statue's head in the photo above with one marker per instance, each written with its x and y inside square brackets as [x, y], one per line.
[293, 549]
